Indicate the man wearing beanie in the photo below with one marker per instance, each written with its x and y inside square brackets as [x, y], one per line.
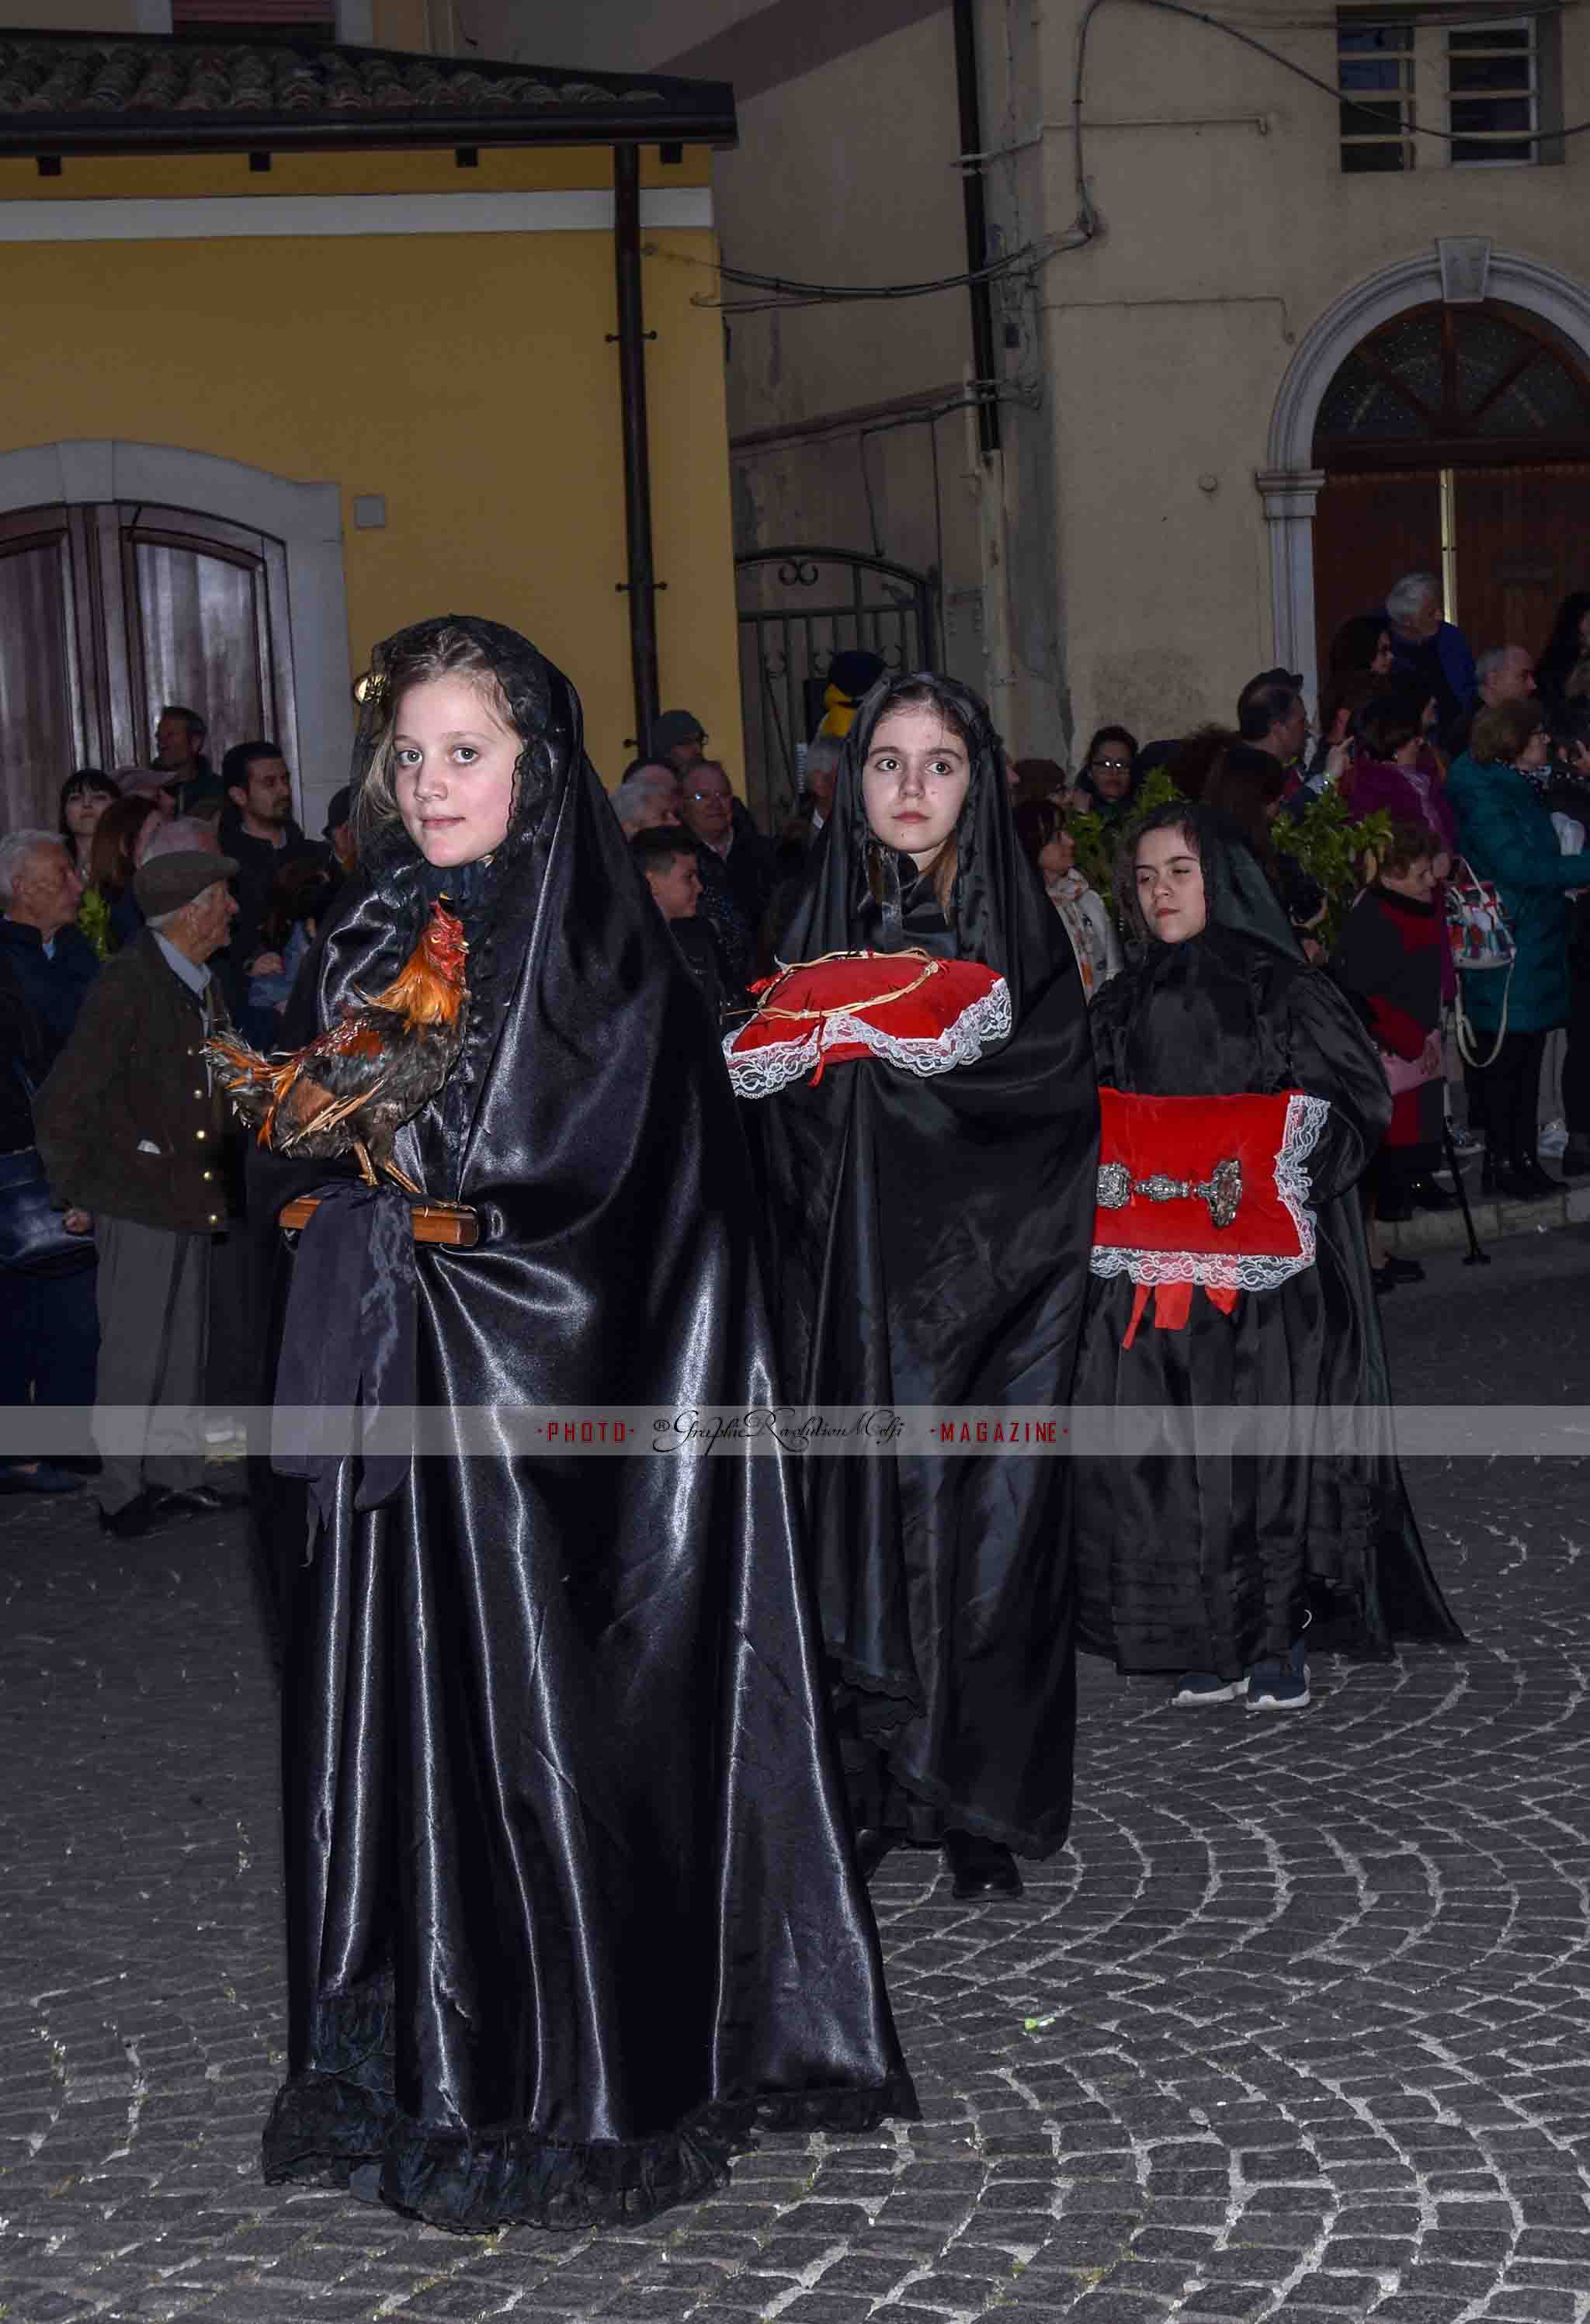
[678, 739]
[130, 1128]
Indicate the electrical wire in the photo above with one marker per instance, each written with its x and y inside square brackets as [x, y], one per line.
[788, 294]
[1087, 215]
[780, 293]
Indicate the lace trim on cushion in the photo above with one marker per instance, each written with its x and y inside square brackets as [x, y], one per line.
[1242, 1270]
[763, 1073]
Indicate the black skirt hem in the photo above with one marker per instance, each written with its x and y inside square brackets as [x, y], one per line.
[330, 2130]
[888, 1792]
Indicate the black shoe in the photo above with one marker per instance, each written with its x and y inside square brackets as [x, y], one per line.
[980, 1868]
[1501, 1180]
[1426, 1196]
[1383, 1279]
[1536, 1183]
[142, 1514]
[1402, 1270]
[43, 1476]
[193, 1501]
[872, 1846]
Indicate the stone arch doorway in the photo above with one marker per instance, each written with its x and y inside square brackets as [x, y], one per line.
[1441, 405]
[1456, 439]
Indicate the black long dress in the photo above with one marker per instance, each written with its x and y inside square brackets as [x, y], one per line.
[572, 1904]
[1210, 1561]
[929, 1243]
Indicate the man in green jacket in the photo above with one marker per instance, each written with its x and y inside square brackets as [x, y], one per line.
[130, 1128]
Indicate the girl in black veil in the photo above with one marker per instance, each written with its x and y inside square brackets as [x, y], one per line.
[1200, 1561]
[929, 1237]
[571, 1901]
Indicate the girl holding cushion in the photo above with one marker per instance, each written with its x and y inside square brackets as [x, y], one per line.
[1216, 1287]
[930, 1192]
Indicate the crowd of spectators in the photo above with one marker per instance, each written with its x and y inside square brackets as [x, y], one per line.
[175, 897]
[169, 899]
[1478, 767]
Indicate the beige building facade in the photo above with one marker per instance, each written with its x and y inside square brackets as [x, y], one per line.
[1248, 356]
[1145, 537]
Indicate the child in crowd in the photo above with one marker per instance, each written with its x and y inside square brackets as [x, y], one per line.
[1052, 853]
[1388, 959]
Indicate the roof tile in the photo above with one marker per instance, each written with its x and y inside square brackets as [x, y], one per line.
[85, 83]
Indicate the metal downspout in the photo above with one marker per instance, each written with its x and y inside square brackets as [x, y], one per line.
[642, 585]
[963, 12]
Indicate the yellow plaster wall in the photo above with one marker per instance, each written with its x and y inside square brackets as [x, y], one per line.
[468, 378]
[500, 170]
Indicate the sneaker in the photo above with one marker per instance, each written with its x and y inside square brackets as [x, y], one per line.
[1270, 1688]
[1282, 1684]
[1195, 1688]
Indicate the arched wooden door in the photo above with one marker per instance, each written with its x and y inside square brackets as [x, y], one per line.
[109, 610]
[1455, 440]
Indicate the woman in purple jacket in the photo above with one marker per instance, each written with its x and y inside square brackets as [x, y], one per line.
[1389, 779]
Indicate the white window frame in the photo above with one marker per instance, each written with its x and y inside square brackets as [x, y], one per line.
[1367, 20]
[1530, 58]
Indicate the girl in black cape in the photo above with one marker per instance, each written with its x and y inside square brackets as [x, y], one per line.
[930, 1240]
[1200, 1562]
[571, 1901]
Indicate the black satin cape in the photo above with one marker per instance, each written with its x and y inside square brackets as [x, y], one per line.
[1212, 1563]
[571, 1900]
[930, 1242]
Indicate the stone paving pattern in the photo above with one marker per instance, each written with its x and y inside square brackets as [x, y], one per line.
[1299, 2024]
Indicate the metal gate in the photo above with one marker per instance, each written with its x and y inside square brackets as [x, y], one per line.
[797, 608]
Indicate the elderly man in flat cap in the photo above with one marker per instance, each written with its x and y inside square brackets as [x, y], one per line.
[130, 1130]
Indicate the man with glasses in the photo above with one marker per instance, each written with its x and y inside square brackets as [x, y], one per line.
[736, 864]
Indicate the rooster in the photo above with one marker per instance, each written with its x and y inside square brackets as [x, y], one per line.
[350, 1090]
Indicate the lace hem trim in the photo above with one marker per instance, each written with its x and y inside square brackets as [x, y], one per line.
[325, 2128]
[763, 1073]
[1306, 1118]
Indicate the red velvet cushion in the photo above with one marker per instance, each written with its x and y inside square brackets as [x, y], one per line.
[905, 1008]
[1272, 1234]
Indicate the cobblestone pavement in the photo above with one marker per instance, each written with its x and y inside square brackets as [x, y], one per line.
[1299, 2024]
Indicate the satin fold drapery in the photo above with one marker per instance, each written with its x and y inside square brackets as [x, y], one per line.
[571, 1898]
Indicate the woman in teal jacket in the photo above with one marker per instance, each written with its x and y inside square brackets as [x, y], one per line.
[1507, 835]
